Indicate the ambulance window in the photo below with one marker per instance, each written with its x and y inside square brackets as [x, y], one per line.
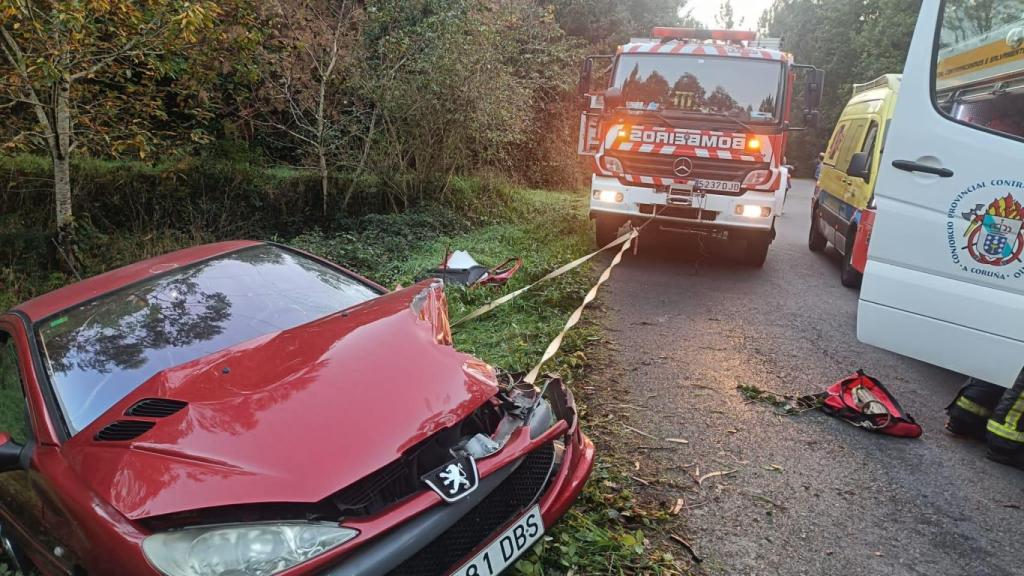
[979, 65]
[836, 144]
[851, 144]
[869, 144]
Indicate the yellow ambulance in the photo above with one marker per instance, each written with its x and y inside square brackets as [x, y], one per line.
[849, 169]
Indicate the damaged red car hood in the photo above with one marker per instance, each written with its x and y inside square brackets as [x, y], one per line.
[293, 416]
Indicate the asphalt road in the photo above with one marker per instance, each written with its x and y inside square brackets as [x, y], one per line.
[809, 494]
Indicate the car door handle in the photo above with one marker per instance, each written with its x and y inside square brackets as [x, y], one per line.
[910, 166]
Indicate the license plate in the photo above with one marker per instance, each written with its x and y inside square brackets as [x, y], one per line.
[718, 186]
[506, 548]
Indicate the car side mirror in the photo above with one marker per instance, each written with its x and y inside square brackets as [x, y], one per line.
[614, 99]
[860, 166]
[10, 453]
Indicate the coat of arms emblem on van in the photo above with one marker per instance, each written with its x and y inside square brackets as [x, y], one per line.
[994, 233]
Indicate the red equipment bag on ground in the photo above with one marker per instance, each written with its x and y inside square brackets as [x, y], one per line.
[862, 401]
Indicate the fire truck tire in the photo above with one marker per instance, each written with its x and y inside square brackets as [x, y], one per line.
[756, 251]
[816, 241]
[605, 231]
[849, 275]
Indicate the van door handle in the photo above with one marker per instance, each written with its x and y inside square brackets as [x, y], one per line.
[911, 166]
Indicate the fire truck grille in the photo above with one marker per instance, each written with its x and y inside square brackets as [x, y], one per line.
[660, 165]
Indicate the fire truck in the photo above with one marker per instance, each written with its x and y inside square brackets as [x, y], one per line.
[690, 129]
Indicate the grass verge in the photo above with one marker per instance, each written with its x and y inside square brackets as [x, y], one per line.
[604, 533]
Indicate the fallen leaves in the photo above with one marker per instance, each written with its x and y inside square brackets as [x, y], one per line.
[693, 554]
[700, 479]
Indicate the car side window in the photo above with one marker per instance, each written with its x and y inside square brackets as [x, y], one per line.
[13, 412]
[979, 65]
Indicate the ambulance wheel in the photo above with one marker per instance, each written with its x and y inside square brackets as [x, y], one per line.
[849, 275]
[816, 241]
[756, 251]
[606, 230]
[10, 550]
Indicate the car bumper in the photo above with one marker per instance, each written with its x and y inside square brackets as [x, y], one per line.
[717, 211]
[425, 536]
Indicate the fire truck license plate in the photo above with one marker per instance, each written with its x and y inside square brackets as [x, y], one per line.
[503, 551]
[718, 186]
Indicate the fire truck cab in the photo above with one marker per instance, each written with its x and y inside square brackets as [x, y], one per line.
[691, 131]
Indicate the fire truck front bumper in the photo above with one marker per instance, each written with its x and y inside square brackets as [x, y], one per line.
[747, 210]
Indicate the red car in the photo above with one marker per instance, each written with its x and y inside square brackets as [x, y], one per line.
[244, 408]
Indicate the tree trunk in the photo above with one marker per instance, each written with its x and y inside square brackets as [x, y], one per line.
[62, 158]
[60, 149]
[322, 156]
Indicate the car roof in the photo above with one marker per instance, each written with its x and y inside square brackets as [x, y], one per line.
[52, 302]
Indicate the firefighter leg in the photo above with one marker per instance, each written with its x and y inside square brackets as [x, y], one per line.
[973, 406]
[1006, 427]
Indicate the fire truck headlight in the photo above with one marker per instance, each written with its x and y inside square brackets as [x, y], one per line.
[608, 196]
[753, 144]
[612, 164]
[751, 211]
[757, 178]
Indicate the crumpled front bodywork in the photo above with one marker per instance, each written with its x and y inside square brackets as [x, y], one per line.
[293, 416]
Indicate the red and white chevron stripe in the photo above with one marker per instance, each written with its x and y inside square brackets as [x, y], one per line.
[675, 47]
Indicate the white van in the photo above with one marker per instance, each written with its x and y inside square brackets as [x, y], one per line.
[944, 281]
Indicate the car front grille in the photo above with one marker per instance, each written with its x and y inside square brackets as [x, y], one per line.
[401, 478]
[660, 165]
[510, 499]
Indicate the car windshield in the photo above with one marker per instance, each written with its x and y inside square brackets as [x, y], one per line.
[744, 89]
[100, 351]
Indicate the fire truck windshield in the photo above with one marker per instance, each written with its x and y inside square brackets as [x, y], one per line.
[744, 89]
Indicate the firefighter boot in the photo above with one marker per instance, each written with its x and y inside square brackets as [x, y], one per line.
[1006, 427]
[972, 408]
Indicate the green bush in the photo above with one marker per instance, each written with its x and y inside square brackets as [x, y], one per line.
[223, 197]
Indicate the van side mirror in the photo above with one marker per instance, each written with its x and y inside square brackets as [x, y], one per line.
[586, 78]
[860, 166]
[10, 453]
[614, 99]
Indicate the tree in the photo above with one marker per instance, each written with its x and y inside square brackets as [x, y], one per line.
[854, 42]
[81, 68]
[305, 84]
[606, 23]
[726, 17]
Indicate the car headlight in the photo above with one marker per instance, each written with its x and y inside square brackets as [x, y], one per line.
[242, 549]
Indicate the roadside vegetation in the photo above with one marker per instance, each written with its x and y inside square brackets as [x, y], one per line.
[606, 532]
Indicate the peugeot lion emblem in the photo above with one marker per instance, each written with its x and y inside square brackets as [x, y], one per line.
[455, 479]
[682, 167]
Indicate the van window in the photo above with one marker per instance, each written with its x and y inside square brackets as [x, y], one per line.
[979, 65]
[832, 153]
[869, 144]
[851, 143]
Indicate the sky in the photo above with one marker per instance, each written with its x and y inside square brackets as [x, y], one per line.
[749, 10]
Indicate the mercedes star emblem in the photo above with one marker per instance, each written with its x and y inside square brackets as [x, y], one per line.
[682, 167]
